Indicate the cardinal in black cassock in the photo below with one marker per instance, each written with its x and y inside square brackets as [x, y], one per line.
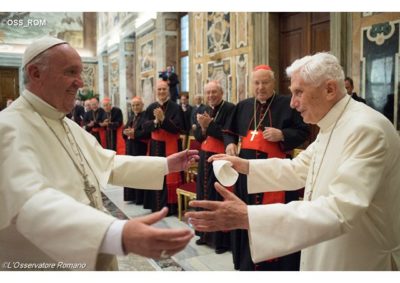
[93, 119]
[113, 127]
[268, 128]
[209, 131]
[165, 122]
[136, 140]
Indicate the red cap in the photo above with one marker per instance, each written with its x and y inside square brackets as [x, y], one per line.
[106, 100]
[263, 67]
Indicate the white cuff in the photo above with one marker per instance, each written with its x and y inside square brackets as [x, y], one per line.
[112, 242]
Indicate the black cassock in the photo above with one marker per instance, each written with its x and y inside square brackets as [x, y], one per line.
[295, 132]
[173, 124]
[115, 121]
[186, 119]
[205, 178]
[77, 114]
[97, 116]
[136, 147]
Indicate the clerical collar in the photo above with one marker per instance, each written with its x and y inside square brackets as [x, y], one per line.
[42, 107]
[329, 119]
[217, 106]
[263, 102]
[163, 103]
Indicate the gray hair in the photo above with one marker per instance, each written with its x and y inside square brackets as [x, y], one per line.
[217, 84]
[41, 61]
[318, 68]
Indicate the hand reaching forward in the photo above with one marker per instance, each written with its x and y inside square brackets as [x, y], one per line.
[139, 237]
[182, 160]
[239, 164]
[219, 215]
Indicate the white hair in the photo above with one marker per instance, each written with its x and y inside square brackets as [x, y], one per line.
[318, 68]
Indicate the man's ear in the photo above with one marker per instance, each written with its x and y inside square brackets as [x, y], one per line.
[331, 89]
[33, 73]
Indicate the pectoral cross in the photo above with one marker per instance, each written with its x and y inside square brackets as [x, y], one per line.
[90, 190]
[253, 134]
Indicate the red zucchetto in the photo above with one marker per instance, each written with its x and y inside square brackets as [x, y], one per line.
[263, 67]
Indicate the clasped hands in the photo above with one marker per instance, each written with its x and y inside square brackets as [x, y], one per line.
[204, 120]
[129, 132]
[158, 115]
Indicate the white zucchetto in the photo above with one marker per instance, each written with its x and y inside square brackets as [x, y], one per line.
[39, 46]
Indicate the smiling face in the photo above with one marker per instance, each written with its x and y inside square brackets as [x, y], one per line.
[213, 93]
[162, 91]
[263, 84]
[136, 105]
[58, 84]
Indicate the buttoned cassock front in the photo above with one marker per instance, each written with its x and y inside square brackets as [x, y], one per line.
[352, 221]
[44, 212]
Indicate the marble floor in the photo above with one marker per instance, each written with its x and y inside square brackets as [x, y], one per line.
[193, 258]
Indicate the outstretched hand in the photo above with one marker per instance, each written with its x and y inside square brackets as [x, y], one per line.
[219, 215]
[239, 164]
[139, 237]
[182, 160]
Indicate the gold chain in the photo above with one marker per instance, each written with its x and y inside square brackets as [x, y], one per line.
[265, 113]
[89, 189]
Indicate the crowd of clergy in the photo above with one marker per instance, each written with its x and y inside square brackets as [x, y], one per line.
[262, 126]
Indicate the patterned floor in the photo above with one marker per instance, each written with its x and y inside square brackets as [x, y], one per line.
[134, 262]
[193, 258]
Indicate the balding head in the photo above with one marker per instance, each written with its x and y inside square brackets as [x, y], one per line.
[162, 91]
[137, 104]
[263, 81]
[214, 93]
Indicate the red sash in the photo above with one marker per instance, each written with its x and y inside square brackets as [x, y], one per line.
[120, 148]
[273, 150]
[174, 180]
[212, 144]
[102, 133]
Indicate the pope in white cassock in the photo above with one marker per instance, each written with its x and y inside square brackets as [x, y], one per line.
[349, 219]
[51, 210]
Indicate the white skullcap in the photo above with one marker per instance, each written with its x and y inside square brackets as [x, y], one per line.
[39, 46]
[224, 172]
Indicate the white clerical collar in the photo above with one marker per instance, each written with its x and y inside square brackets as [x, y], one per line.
[42, 107]
[329, 119]
[162, 103]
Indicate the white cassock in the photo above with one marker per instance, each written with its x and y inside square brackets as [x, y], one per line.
[44, 211]
[353, 219]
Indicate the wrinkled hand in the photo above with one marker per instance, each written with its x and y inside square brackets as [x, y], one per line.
[204, 120]
[182, 160]
[231, 149]
[159, 114]
[139, 237]
[239, 164]
[219, 215]
[272, 134]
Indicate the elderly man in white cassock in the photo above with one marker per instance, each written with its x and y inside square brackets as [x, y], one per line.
[349, 218]
[52, 170]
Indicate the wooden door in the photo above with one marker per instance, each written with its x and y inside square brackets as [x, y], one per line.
[9, 85]
[301, 34]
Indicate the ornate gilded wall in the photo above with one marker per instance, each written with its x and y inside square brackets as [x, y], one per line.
[146, 67]
[376, 61]
[221, 51]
